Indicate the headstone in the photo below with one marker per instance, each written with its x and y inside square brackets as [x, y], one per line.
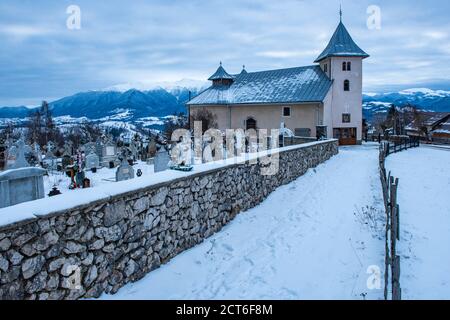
[50, 161]
[19, 151]
[124, 171]
[302, 132]
[109, 153]
[161, 161]
[3, 150]
[21, 185]
[99, 149]
[92, 161]
[89, 147]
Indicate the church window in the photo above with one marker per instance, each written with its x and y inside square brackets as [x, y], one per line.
[349, 66]
[344, 66]
[286, 111]
[325, 68]
[346, 118]
[346, 85]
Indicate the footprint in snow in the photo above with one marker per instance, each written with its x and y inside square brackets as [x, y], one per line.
[227, 247]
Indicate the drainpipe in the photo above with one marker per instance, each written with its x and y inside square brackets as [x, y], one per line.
[229, 116]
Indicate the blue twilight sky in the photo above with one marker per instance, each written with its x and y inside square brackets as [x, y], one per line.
[168, 40]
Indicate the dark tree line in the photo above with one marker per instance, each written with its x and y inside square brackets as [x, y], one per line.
[42, 129]
[398, 119]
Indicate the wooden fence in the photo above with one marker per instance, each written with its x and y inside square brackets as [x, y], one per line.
[389, 185]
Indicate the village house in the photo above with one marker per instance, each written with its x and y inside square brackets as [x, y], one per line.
[431, 126]
[321, 100]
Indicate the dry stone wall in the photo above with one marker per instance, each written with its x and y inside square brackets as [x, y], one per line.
[99, 247]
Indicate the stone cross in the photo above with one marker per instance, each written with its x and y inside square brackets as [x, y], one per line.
[20, 149]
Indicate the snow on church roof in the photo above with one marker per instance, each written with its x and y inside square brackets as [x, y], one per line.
[221, 74]
[293, 85]
[341, 44]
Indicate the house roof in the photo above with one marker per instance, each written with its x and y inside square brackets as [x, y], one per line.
[293, 85]
[221, 74]
[431, 119]
[341, 45]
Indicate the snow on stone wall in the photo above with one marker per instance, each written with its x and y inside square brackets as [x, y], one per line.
[101, 246]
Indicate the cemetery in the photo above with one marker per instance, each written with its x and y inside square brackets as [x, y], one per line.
[128, 228]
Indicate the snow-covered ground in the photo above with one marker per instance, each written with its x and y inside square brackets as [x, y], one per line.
[424, 199]
[100, 178]
[312, 239]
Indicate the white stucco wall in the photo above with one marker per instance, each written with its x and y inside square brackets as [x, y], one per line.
[346, 101]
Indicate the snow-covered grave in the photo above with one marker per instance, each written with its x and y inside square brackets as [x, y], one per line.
[423, 196]
[316, 237]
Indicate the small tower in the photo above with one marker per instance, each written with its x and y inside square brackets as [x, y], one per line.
[342, 62]
[221, 77]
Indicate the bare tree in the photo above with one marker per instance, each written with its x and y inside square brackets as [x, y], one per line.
[208, 119]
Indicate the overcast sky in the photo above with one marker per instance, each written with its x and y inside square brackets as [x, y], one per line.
[151, 41]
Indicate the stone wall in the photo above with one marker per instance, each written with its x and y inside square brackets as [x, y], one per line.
[101, 246]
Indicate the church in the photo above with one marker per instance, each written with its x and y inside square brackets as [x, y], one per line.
[320, 100]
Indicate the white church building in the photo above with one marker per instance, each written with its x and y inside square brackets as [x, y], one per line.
[324, 99]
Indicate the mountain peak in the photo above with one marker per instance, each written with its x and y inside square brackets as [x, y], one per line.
[189, 84]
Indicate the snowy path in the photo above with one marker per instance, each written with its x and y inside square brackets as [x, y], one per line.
[424, 199]
[306, 241]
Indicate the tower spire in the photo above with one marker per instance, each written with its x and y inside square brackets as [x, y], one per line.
[340, 12]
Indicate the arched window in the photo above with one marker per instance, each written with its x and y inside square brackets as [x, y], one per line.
[346, 85]
[349, 66]
[344, 66]
[250, 124]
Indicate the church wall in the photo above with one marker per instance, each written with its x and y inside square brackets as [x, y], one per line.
[347, 101]
[268, 116]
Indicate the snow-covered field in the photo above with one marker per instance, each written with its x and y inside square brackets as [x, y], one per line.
[424, 199]
[312, 239]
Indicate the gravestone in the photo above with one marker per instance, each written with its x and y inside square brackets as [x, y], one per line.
[99, 148]
[36, 153]
[19, 151]
[21, 185]
[124, 171]
[89, 147]
[109, 154]
[50, 161]
[302, 132]
[3, 150]
[161, 161]
[92, 161]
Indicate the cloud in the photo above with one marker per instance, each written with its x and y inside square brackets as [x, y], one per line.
[159, 40]
[23, 31]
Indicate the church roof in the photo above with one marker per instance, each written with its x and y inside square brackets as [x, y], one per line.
[341, 44]
[221, 74]
[293, 85]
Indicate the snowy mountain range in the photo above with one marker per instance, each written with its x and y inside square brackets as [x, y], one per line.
[136, 102]
[422, 98]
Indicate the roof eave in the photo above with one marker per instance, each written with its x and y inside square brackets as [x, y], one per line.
[363, 56]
